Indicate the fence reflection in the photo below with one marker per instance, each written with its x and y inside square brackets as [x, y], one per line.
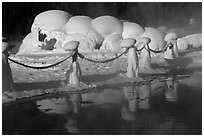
[134, 103]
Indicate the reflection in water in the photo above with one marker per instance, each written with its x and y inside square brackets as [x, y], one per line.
[172, 89]
[137, 96]
[72, 125]
[69, 106]
[157, 107]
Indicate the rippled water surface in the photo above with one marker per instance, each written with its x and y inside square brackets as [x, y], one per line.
[171, 106]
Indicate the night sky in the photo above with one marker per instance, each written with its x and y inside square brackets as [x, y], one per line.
[17, 18]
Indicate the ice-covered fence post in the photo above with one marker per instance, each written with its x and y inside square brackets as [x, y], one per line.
[172, 50]
[145, 61]
[7, 79]
[132, 68]
[74, 73]
[175, 49]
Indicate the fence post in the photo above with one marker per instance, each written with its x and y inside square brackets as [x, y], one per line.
[7, 79]
[132, 68]
[172, 50]
[175, 49]
[145, 61]
[74, 73]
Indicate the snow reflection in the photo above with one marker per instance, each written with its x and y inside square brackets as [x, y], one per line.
[156, 107]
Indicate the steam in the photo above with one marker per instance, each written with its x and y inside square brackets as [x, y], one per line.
[193, 26]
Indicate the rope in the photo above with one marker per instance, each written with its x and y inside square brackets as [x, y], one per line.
[101, 61]
[43, 67]
[91, 60]
[140, 49]
[157, 51]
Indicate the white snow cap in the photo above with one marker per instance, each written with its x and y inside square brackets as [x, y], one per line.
[132, 30]
[52, 19]
[78, 24]
[106, 25]
[170, 36]
[156, 36]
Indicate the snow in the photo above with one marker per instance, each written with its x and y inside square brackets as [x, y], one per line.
[30, 83]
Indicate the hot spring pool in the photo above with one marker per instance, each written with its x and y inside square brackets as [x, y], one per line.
[173, 106]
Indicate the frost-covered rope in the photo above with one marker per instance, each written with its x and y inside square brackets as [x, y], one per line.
[140, 49]
[43, 67]
[101, 61]
[158, 51]
[155, 51]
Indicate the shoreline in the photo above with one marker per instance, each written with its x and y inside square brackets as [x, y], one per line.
[36, 83]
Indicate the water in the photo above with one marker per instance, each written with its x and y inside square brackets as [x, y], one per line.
[160, 107]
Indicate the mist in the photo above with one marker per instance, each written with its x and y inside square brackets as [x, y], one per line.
[184, 18]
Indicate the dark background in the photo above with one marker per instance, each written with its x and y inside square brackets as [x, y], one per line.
[17, 17]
